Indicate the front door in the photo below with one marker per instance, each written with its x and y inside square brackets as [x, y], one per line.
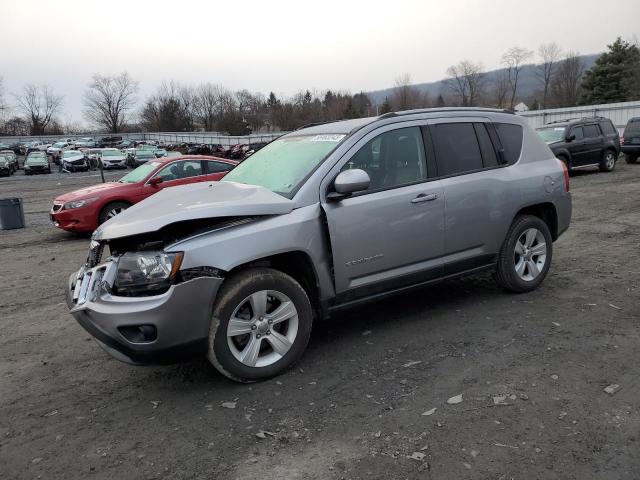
[578, 148]
[390, 235]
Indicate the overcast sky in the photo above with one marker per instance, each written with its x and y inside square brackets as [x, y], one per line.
[284, 45]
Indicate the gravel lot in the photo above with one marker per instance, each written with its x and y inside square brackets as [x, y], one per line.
[531, 370]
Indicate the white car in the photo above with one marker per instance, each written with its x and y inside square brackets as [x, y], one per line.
[85, 142]
[57, 148]
[113, 158]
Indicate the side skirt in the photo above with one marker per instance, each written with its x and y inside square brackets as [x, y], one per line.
[330, 309]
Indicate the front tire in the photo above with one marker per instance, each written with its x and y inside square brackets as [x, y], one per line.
[260, 326]
[111, 210]
[608, 162]
[525, 256]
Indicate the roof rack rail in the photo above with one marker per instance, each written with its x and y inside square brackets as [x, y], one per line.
[575, 119]
[444, 109]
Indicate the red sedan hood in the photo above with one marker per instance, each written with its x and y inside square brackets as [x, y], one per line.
[93, 191]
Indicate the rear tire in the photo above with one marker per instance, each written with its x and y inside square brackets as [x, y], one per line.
[630, 158]
[110, 210]
[608, 162]
[268, 338]
[525, 256]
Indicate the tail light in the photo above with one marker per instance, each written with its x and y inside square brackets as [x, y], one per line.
[565, 170]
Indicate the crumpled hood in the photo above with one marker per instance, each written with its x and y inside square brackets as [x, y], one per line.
[192, 202]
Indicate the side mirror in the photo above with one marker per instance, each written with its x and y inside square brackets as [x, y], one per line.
[570, 138]
[155, 181]
[348, 182]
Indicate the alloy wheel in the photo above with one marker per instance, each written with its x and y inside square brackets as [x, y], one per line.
[530, 254]
[262, 328]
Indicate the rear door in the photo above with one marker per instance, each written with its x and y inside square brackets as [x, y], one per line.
[594, 142]
[390, 235]
[476, 190]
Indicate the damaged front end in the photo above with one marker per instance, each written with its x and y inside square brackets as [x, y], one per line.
[137, 302]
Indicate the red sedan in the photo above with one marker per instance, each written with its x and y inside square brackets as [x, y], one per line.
[85, 209]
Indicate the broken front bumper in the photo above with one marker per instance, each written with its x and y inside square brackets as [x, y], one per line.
[143, 330]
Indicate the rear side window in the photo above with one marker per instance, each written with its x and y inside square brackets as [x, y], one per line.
[510, 136]
[591, 131]
[457, 148]
[217, 167]
[608, 128]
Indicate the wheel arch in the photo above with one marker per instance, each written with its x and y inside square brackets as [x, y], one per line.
[546, 211]
[295, 263]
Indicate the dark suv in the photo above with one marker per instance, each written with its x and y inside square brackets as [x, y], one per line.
[584, 142]
[631, 140]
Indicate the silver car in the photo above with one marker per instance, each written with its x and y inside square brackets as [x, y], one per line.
[325, 218]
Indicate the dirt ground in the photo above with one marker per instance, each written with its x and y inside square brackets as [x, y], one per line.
[370, 392]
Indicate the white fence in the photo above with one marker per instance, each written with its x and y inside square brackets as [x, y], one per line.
[618, 113]
[209, 138]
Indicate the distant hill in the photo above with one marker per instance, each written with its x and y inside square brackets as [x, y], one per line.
[527, 84]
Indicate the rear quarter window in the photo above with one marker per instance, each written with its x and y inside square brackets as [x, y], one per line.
[608, 128]
[510, 136]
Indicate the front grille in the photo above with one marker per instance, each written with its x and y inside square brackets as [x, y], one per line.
[95, 253]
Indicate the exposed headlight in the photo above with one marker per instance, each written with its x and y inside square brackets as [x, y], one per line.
[79, 203]
[146, 272]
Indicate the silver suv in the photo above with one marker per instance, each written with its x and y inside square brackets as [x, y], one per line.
[326, 217]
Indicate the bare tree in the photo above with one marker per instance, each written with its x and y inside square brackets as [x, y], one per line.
[513, 59]
[567, 80]
[405, 96]
[109, 99]
[466, 82]
[549, 53]
[207, 104]
[500, 89]
[39, 105]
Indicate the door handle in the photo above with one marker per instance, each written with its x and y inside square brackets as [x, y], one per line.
[424, 197]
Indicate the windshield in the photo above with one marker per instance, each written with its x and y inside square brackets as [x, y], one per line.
[68, 154]
[552, 134]
[111, 153]
[139, 173]
[35, 155]
[283, 165]
[59, 144]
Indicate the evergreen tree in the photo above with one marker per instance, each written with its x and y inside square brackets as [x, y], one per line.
[386, 106]
[535, 105]
[440, 101]
[614, 77]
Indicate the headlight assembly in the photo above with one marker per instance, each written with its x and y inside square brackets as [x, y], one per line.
[79, 203]
[151, 272]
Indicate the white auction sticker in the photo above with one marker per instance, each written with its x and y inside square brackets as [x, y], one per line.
[327, 138]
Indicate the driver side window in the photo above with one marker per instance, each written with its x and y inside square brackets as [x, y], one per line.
[178, 170]
[392, 159]
[578, 132]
